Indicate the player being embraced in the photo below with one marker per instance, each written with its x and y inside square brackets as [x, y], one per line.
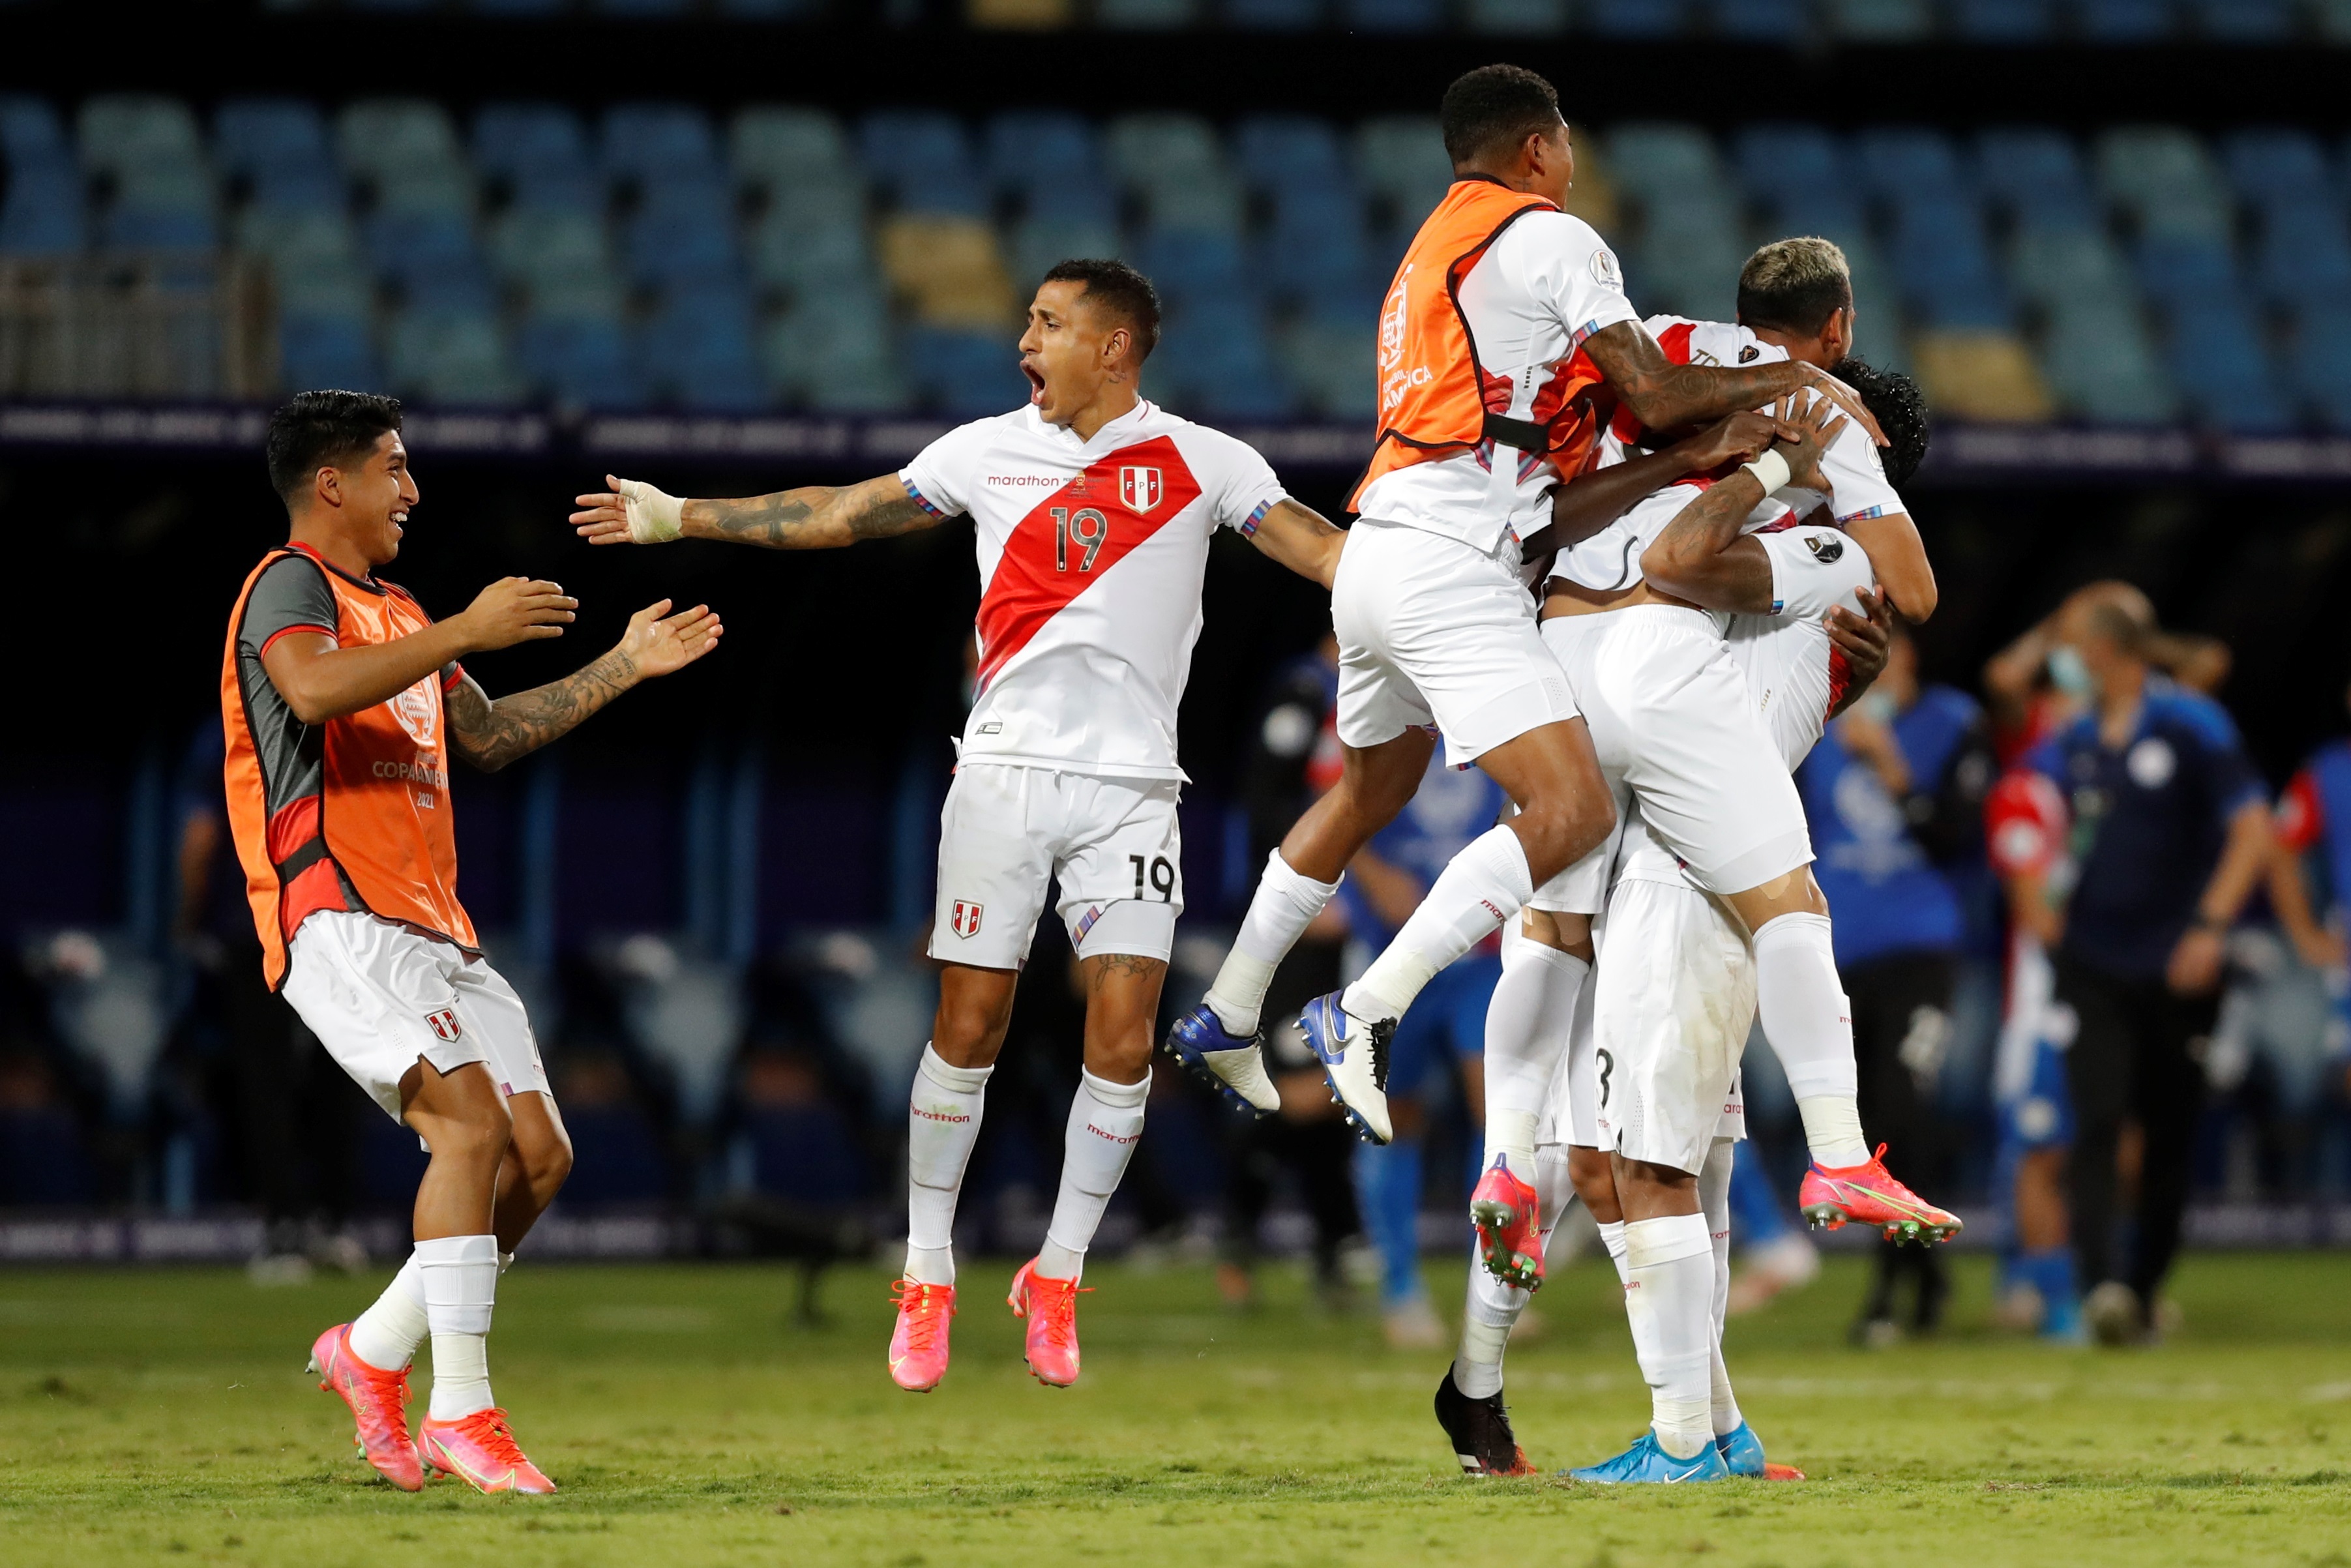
[1093, 510]
[343, 703]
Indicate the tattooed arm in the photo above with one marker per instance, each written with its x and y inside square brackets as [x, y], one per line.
[818, 517]
[489, 735]
[1667, 396]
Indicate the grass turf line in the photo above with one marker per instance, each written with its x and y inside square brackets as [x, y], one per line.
[161, 1416]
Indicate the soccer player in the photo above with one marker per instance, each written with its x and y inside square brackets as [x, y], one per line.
[343, 703]
[1092, 512]
[1505, 341]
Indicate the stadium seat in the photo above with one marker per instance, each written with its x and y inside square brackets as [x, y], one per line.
[379, 135]
[427, 191]
[31, 132]
[2244, 21]
[1515, 18]
[1316, 243]
[1330, 366]
[1980, 375]
[2126, 21]
[1185, 264]
[1213, 360]
[453, 356]
[2334, 19]
[1273, 16]
[682, 228]
[2165, 179]
[582, 362]
[1909, 165]
[2004, 21]
[1688, 257]
[949, 270]
[1146, 151]
[2305, 257]
[833, 355]
[812, 240]
[529, 143]
[1652, 158]
[2277, 165]
[653, 144]
[2055, 267]
[2100, 365]
[41, 218]
[1147, 15]
[1029, 148]
[1946, 268]
[965, 374]
[2037, 175]
[1771, 159]
[1038, 243]
[1401, 157]
[2186, 271]
[539, 247]
[1281, 152]
[772, 147]
[1881, 21]
[291, 188]
[2218, 351]
[902, 145]
[2319, 362]
[130, 228]
[1638, 18]
[1759, 21]
[698, 352]
[326, 351]
[255, 137]
[118, 132]
[1393, 16]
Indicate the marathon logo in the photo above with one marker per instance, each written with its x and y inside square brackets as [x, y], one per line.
[928, 1114]
[1112, 1138]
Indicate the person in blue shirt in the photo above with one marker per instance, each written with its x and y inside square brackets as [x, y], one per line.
[2170, 833]
[1894, 804]
[1384, 886]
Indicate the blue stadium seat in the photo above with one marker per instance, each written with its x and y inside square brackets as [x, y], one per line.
[259, 136]
[1273, 16]
[2319, 363]
[1777, 159]
[30, 132]
[454, 356]
[812, 240]
[1402, 157]
[1692, 246]
[1028, 148]
[1194, 262]
[774, 146]
[2218, 354]
[2037, 174]
[118, 133]
[1146, 151]
[379, 136]
[1039, 242]
[1909, 164]
[292, 189]
[1214, 359]
[1394, 15]
[2004, 21]
[2099, 363]
[526, 143]
[1316, 245]
[1881, 21]
[682, 228]
[2068, 266]
[832, 354]
[41, 217]
[2305, 257]
[2277, 165]
[581, 363]
[963, 374]
[2126, 21]
[1638, 18]
[534, 247]
[142, 228]
[899, 143]
[326, 351]
[1760, 21]
[654, 143]
[698, 351]
[429, 258]
[1516, 18]
[427, 191]
[1946, 266]
[2187, 270]
[1290, 151]
[1331, 366]
[1146, 14]
[2244, 21]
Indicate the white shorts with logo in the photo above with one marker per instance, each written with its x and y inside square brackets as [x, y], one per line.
[1113, 845]
[1673, 1002]
[1672, 720]
[1433, 631]
[379, 997]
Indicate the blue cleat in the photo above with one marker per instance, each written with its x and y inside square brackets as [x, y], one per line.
[1741, 1450]
[1645, 1461]
[1354, 1056]
[1233, 1067]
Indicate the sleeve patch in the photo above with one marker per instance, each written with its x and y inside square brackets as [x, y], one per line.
[918, 497]
[1861, 516]
[1248, 525]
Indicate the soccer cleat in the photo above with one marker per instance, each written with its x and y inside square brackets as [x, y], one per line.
[379, 1402]
[1509, 1217]
[480, 1450]
[1481, 1430]
[918, 1346]
[1051, 1308]
[1232, 1066]
[1647, 1461]
[1354, 1056]
[1868, 1195]
[1743, 1454]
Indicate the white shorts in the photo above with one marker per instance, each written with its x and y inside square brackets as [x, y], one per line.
[1674, 1000]
[1671, 716]
[379, 997]
[1432, 631]
[1113, 845]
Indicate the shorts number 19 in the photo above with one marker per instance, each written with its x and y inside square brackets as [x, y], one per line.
[1163, 877]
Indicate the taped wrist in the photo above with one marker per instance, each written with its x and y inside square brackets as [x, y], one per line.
[655, 518]
[1770, 471]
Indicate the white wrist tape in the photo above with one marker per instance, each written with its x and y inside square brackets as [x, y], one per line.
[1770, 471]
[654, 518]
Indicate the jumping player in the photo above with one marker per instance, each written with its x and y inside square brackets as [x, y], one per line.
[343, 702]
[1092, 512]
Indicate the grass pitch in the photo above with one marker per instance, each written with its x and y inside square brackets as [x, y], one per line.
[161, 1417]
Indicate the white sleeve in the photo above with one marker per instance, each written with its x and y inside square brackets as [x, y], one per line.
[1246, 487]
[1812, 569]
[1577, 274]
[940, 477]
[1853, 468]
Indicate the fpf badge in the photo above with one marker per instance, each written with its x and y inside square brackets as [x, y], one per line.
[965, 918]
[1140, 488]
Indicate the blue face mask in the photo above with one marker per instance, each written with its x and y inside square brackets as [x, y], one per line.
[2069, 673]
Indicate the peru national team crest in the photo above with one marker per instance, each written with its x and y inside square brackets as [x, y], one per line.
[1140, 488]
[965, 918]
[444, 1024]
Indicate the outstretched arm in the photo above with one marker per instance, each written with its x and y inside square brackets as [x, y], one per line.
[320, 680]
[490, 734]
[1665, 396]
[1300, 538]
[817, 517]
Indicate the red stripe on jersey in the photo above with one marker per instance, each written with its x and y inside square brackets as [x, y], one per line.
[1059, 551]
[1840, 677]
[295, 824]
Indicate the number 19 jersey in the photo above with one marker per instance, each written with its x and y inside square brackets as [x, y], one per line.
[1092, 554]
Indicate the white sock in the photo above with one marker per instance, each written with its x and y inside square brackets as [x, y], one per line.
[1487, 1317]
[1810, 1025]
[505, 1261]
[1669, 1297]
[1485, 884]
[1714, 1201]
[1612, 1236]
[1284, 905]
[386, 1336]
[1105, 1121]
[1526, 1041]
[461, 1286]
[942, 1124]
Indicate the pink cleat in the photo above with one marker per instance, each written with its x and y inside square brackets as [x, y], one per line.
[1868, 1195]
[480, 1450]
[1051, 1308]
[918, 1346]
[1509, 1217]
[379, 1402]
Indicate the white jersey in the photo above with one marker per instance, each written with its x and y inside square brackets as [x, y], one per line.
[1538, 291]
[1090, 559]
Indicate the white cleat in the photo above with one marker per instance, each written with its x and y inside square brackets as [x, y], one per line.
[1234, 1067]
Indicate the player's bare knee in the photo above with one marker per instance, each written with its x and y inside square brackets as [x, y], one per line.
[1588, 1171]
[1557, 832]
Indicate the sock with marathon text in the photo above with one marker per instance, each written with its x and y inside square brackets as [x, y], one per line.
[943, 1114]
[1810, 1025]
[1526, 1041]
[461, 1286]
[1486, 883]
[1668, 1299]
[1105, 1121]
[1284, 905]
[386, 1336]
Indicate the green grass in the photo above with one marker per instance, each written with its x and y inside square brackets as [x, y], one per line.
[162, 1418]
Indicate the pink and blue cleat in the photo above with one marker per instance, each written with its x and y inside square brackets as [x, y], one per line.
[1051, 1308]
[379, 1404]
[1509, 1217]
[1835, 1196]
[918, 1346]
[480, 1450]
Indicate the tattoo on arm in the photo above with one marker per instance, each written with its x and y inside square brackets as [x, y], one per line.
[819, 517]
[489, 735]
[1663, 395]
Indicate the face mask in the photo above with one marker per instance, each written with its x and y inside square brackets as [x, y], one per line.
[2068, 674]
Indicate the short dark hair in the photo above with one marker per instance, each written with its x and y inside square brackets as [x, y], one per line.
[1794, 286]
[1120, 289]
[1495, 106]
[319, 429]
[1900, 410]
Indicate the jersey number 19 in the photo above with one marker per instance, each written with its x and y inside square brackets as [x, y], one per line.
[1085, 528]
